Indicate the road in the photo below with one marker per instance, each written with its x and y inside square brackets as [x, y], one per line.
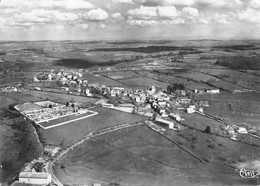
[49, 165]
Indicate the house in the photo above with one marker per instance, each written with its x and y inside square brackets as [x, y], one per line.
[107, 105]
[212, 91]
[191, 109]
[69, 76]
[87, 92]
[137, 99]
[33, 177]
[151, 90]
[85, 81]
[50, 76]
[175, 117]
[185, 101]
[204, 103]
[163, 112]
[35, 79]
[162, 103]
[113, 93]
[164, 121]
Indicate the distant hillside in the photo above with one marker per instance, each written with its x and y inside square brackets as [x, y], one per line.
[240, 62]
[148, 49]
[82, 63]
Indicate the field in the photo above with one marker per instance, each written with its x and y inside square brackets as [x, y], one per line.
[20, 97]
[66, 134]
[243, 107]
[196, 76]
[120, 75]
[137, 155]
[175, 78]
[224, 85]
[145, 82]
[60, 98]
[65, 120]
[101, 79]
[200, 122]
[9, 81]
[140, 156]
[6, 101]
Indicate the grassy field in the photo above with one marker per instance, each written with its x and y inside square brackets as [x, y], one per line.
[120, 75]
[200, 122]
[63, 119]
[65, 134]
[216, 149]
[61, 98]
[243, 107]
[21, 97]
[6, 101]
[96, 78]
[197, 76]
[226, 85]
[140, 156]
[145, 82]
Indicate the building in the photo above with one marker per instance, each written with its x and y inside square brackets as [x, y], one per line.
[175, 117]
[212, 91]
[191, 109]
[38, 178]
[185, 101]
[164, 121]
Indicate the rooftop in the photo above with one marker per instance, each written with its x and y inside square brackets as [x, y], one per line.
[39, 175]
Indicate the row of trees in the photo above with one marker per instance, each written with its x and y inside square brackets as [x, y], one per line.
[240, 62]
[176, 86]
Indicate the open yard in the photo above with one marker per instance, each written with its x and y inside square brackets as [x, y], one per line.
[66, 134]
[139, 156]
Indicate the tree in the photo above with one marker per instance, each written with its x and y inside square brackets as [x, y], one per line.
[11, 107]
[50, 106]
[72, 105]
[207, 130]
[67, 104]
[175, 86]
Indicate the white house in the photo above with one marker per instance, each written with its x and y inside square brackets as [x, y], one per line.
[175, 117]
[169, 123]
[35, 79]
[212, 91]
[190, 110]
[38, 178]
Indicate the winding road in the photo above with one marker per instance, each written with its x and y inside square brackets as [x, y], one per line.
[49, 164]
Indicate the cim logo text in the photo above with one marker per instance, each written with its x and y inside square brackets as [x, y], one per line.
[248, 173]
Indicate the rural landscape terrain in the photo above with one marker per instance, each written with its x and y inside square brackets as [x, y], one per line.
[123, 113]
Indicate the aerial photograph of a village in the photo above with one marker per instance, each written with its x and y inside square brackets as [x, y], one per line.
[130, 92]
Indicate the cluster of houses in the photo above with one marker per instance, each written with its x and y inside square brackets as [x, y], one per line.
[147, 102]
[69, 78]
[9, 89]
[159, 105]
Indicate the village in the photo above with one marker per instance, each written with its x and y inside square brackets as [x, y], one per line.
[163, 107]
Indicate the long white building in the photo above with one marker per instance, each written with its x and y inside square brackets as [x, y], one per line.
[38, 178]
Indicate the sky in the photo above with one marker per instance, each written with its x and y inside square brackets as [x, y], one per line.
[129, 19]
